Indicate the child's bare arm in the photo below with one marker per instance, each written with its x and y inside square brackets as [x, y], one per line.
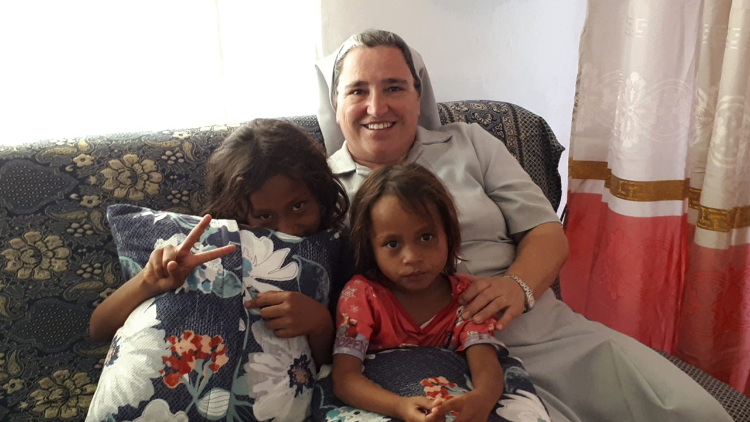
[292, 314]
[354, 389]
[488, 380]
[167, 269]
[111, 314]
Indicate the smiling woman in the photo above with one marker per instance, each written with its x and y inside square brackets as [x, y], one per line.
[88, 67]
[379, 105]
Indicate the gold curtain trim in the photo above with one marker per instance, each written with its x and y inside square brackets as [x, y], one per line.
[718, 219]
[714, 219]
[629, 190]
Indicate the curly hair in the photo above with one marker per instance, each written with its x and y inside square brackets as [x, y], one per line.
[417, 189]
[264, 148]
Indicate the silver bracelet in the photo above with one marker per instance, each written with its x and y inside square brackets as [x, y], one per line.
[529, 304]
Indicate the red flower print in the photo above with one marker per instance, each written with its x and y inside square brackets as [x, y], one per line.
[187, 351]
[435, 387]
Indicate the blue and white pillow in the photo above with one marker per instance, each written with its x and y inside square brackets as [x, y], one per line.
[197, 353]
[433, 372]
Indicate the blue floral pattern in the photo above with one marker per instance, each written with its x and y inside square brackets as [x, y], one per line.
[197, 353]
[432, 372]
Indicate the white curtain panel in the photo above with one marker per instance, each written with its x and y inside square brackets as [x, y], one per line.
[659, 196]
[666, 98]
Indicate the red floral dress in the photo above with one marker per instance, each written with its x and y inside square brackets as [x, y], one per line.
[370, 318]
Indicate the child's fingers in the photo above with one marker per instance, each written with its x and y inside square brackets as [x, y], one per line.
[168, 255]
[269, 299]
[423, 402]
[203, 257]
[283, 328]
[447, 406]
[435, 417]
[172, 266]
[157, 264]
[286, 333]
[194, 235]
[276, 323]
[271, 311]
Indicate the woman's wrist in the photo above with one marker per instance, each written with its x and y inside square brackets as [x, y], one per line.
[529, 300]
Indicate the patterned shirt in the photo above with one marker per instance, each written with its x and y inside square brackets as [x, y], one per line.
[370, 318]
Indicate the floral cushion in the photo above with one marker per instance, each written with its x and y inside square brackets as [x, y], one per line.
[431, 372]
[197, 353]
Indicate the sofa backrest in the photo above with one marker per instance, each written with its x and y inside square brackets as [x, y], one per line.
[58, 260]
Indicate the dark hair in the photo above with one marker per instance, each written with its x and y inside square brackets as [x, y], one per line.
[372, 38]
[416, 189]
[264, 148]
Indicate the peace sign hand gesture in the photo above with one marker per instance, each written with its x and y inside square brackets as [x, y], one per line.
[168, 267]
[166, 270]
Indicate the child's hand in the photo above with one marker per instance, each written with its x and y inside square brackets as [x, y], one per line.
[417, 409]
[291, 314]
[168, 267]
[471, 407]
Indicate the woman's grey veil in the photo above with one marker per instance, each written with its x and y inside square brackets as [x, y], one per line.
[332, 135]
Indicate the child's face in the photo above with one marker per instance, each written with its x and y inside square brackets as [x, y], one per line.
[409, 250]
[285, 205]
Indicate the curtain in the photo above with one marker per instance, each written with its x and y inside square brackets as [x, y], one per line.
[659, 194]
[91, 67]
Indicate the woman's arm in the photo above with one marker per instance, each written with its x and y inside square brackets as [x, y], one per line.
[540, 254]
[354, 389]
[529, 220]
[487, 377]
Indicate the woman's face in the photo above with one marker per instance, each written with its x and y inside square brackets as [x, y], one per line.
[377, 105]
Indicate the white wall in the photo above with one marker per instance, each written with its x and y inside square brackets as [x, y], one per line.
[520, 51]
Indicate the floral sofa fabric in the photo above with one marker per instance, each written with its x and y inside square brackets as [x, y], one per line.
[58, 260]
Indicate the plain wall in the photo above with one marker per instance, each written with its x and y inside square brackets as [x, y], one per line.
[520, 51]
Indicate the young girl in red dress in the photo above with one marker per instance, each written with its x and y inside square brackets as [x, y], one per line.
[406, 240]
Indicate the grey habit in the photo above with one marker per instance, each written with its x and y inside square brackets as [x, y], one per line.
[583, 370]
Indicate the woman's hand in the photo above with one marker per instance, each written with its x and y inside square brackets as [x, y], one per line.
[540, 254]
[291, 314]
[168, 267]
[487, 296]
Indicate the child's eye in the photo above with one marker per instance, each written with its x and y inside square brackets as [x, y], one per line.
[392, 244]
[298, 206]
[426, 237]
[263, 217]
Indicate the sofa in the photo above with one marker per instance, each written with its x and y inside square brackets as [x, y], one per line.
[58, 260]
